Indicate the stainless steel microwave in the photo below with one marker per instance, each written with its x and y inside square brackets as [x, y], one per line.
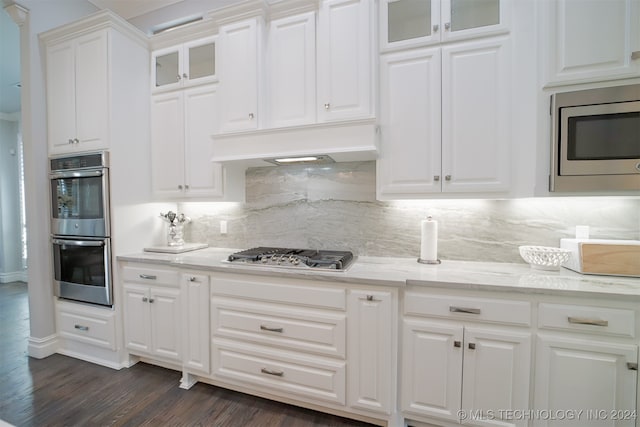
[595, 137]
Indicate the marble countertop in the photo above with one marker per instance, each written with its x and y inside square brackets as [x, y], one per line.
[400, 272]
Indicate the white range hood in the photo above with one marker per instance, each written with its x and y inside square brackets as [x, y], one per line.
[347, 141]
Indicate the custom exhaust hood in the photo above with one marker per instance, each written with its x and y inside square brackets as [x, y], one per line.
[347, 141]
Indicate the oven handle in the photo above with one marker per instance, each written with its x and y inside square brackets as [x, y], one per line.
[77, 174]
[78, 242]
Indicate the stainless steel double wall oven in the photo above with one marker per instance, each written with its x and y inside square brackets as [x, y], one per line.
[80, 227]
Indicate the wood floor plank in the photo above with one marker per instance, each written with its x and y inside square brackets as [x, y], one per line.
[62, 391]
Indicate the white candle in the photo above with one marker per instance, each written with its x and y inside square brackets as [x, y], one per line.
[429, 244]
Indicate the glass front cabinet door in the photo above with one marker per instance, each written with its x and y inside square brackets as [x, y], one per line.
[184, 65]
[410, 23]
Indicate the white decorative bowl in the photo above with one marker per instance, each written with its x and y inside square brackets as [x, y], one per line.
[544, 257]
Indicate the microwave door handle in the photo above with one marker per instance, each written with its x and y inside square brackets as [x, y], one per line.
[94, 243]
[76, 174]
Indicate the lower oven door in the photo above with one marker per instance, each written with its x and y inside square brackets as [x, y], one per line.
[82, 269]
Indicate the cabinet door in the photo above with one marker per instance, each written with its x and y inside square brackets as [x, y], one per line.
[202, 177]
[432, 368]
[195, 318]
[562, 383]
[136, 317]
[200, 61]
[92, 91]
[165, 322]
[476, 133]
[239, 61]
[61, 96]
[462, 19]
[167, 144]
[167, 68]
[370, 350]
[292, 71]
[409, 162]
[344, 60]
[593, 40]
[496, 374]
[408, 23]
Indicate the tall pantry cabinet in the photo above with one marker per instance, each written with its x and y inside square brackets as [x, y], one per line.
[445, 85]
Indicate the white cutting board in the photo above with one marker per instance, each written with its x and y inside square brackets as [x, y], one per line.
[177, 249]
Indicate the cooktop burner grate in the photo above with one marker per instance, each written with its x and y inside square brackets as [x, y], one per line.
[295, 258]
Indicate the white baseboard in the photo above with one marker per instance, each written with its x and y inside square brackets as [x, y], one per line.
[40, 348]
[16, 276]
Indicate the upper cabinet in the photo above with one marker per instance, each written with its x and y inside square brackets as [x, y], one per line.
[410, 23]
[184, 65]
[78, 93]
[241, 68]
[95, 70]
[292, 70]
[584, 41]
[345, 60]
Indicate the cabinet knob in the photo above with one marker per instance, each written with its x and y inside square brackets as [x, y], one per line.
[457, 344]
[184, 76]
[178, 77]
[145, 299]
[632, 366]
[77, 141]
[186, 186]
[635, 55]
[327, 106]
[151, 300]
[70, 141]
[251, 116]
[447, 26]
[472, 346]
[193, 279]
[436, 177]
[447, 177]
[436, 27]
[180, 187]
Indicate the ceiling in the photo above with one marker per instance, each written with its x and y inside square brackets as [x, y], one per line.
[144, 14]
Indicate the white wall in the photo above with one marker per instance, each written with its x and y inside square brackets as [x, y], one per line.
[10, 241]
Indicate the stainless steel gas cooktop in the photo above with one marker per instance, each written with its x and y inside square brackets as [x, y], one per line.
[294, 258]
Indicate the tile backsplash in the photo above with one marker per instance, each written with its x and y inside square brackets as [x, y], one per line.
[334, 207]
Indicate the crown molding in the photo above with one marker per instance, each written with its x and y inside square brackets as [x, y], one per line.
[17, 13]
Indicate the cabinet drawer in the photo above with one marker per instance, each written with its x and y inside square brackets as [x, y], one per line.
[150, 275]
[468, 308]
[599, 320]
[280, 291]
[294, 328]
[295, 375]
[91, 328]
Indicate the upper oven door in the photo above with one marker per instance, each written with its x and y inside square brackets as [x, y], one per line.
[80, 203]
[601, 139]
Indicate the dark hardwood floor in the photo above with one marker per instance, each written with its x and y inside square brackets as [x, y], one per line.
[62, 391]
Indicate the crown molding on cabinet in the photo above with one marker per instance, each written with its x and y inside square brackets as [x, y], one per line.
[97, 21]
[240, 11]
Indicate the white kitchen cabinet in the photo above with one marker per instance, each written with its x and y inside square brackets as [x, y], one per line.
[445, 120]
[590, 40]
[574, 340]
[345, 63]
[78, 86]
[152, 316]
[195, 318]
[411, 23]
[372, 322]
[184, 65]
[292, 70]
[454, 363]
[182, 123]
[241, 72]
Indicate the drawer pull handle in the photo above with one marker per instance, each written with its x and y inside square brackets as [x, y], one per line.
[271, 372]
[148, 277]
[472, 346]
[267, 328]
[453, 309]
[457, 344]
[81, 328]
[369, 298]
[586, 321]
[632, 366]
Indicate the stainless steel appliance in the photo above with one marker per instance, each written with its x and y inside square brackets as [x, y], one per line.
[596, 140]
[294, 258]
[80, 227]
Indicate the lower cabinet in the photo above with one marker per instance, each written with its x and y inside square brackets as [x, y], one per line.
[195, 318]
[458, 367]
[152, 320]
[587, 361]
